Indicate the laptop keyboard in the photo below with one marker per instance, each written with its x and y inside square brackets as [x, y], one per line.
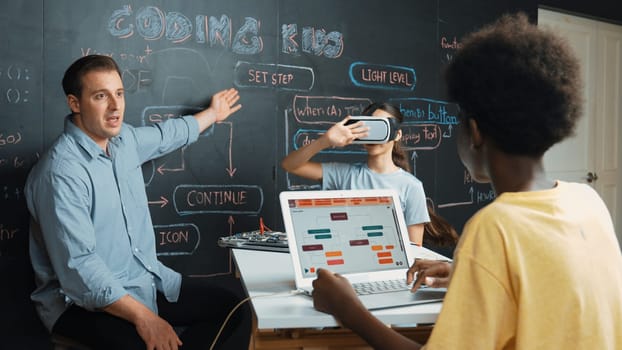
[380, 286]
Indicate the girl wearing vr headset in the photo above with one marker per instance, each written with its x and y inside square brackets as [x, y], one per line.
[386, 167]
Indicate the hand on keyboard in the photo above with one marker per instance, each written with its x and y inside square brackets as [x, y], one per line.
[433, 273]
[380, 286]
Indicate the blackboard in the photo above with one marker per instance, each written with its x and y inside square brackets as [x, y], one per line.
[299, 66]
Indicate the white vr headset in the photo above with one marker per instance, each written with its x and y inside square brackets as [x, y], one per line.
[381, 129]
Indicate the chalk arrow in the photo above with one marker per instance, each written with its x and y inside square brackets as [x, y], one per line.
[161, 169]
[230, 169]
[471, 192]
[448, 134]
[162, 202]
[414, 159]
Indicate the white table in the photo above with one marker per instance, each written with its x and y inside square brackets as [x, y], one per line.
[268, 279]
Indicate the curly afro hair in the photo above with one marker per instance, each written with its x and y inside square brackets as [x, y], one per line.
[520, 83]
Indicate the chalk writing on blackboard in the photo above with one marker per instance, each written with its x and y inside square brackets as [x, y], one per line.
[220, 199]
[284, 77]
[161, 202]
[424, 110]
[13, 162]
[7, 232]
[313, 111]
[314, 41]
[156, 114]
[421, 136]
[382, 76]
[449, 44]
[176, 239]
[326, 109]
[153, 24]
[11, 138]
[15, 84]
[135, 79]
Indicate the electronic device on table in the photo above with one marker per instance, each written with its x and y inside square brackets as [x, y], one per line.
[261, 239]
[360, 234]
[270, 240]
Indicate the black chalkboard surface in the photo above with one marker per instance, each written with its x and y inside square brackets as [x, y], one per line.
[21, 128]
[299, 67]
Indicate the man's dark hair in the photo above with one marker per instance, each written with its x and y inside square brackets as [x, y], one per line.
[520, 83]
[72, 80]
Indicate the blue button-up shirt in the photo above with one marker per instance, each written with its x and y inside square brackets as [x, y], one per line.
[91, 235]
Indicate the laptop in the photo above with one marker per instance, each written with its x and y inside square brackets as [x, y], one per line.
[360, 234]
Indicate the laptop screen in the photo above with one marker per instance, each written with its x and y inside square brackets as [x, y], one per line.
[346, 233]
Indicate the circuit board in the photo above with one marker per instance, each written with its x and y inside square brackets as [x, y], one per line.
[257, 240]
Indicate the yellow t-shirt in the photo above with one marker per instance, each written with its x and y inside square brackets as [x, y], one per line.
[535, 270]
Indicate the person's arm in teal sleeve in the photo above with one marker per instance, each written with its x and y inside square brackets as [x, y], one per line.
[298, 161]
[63, 216]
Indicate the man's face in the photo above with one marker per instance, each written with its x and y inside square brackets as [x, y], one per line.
[99, 110]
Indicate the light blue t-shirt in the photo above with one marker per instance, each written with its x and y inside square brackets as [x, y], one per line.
[345, 176]
[91, 235]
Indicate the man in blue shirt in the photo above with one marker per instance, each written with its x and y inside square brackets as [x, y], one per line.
[92, 245]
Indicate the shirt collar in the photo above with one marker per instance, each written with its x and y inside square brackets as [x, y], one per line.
[83, 139]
